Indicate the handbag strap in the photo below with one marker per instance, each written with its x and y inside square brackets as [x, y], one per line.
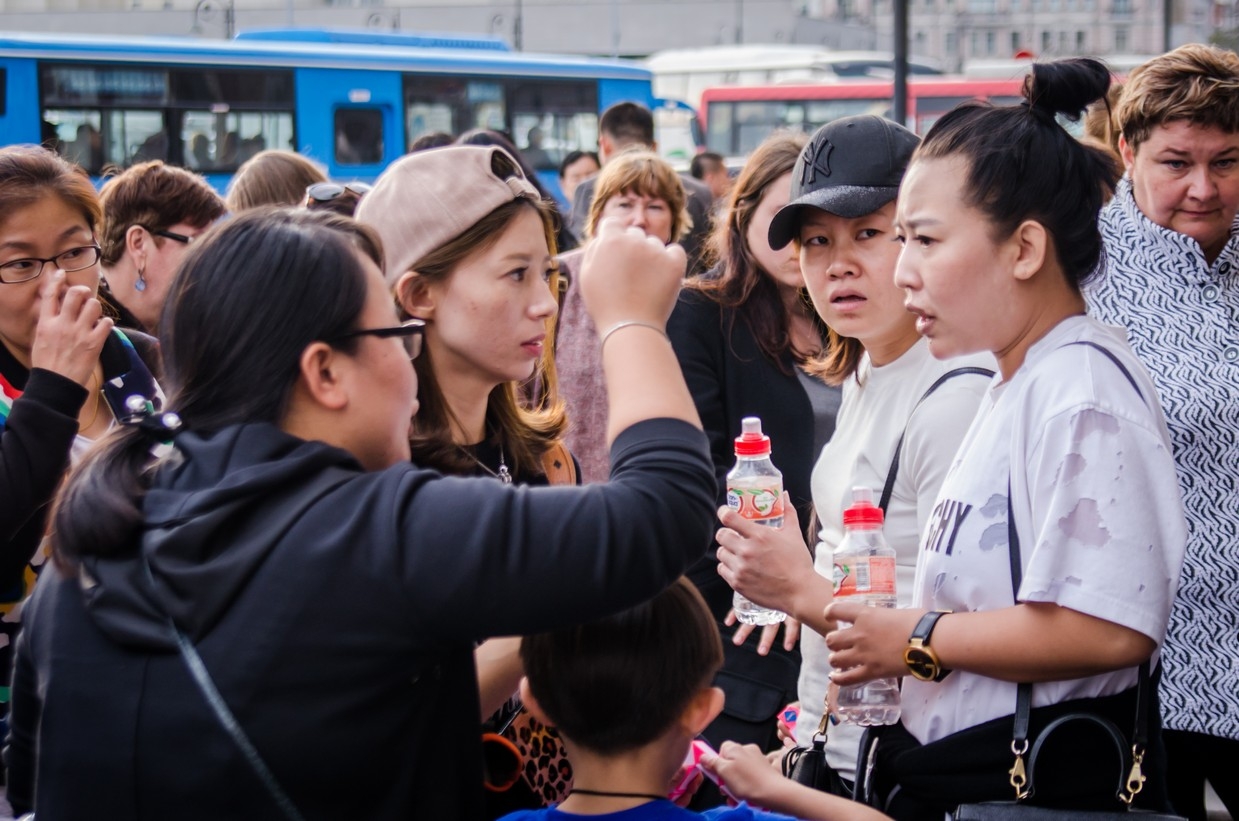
[1024, 691]
[303, 499]
[889, 487]
[229, 722]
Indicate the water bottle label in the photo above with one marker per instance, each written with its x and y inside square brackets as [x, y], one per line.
[874, 575]
[757, 503]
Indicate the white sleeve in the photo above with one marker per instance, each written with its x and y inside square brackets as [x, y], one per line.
[934, 434]
[1107, 520]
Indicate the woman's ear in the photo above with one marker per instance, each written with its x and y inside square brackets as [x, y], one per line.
[1126, 152]
[413, 295]
[321, 376]
[137, 243]
[1031, 245]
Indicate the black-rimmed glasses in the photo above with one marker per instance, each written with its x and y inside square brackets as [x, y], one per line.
[410, 333]
[172, 235]
[328, 191]
[28, 268]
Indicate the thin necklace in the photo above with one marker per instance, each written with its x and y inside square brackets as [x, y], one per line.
[502, 475]
[604, 794]
[95, 415]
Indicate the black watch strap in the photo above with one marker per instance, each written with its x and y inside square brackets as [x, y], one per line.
[925, 627]
[920, 635]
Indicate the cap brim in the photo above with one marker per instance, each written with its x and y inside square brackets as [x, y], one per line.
[847, 201]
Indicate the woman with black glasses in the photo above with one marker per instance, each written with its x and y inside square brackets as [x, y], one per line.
[151, 214]
[65, 372]
[272, 545]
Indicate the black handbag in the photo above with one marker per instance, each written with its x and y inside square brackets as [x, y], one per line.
[1128, 776]
[808, 765]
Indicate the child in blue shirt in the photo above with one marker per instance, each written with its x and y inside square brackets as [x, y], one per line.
[628, 695]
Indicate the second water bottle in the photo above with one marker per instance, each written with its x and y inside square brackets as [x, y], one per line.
[865, 571]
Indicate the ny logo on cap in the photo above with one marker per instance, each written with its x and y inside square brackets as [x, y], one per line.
[815, 158]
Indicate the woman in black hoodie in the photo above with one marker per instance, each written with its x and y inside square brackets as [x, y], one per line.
[332, 591]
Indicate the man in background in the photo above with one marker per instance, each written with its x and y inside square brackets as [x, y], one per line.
[622, 126]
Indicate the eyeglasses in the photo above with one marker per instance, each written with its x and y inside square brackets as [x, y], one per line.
[411, 333]
[328, 191]
[172, 235]
[28, 268]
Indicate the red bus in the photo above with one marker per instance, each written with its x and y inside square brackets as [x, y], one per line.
[738, 118]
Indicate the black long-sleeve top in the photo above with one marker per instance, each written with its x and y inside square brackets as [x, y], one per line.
[336, 611]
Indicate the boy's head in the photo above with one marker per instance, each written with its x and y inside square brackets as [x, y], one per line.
[620, 683]
[851, 167]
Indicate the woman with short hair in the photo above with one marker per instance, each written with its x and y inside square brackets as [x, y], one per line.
[151, 214]
[1172, 279]
[639, 189]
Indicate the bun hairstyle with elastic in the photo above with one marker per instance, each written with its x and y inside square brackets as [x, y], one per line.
[1022, 165]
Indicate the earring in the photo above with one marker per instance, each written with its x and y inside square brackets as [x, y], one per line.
[140, 285]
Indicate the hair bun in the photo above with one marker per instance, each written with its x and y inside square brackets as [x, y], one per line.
[1066, 86]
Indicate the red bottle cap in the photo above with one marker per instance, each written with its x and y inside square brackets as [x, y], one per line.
[751, 441]
[862, 511]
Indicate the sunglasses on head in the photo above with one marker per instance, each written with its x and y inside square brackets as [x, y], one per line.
[328, 191]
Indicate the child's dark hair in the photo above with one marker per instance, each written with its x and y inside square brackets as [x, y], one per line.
[1023, 165]
[619, 683]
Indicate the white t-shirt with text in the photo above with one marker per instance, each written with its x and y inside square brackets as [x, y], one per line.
[1097, 509]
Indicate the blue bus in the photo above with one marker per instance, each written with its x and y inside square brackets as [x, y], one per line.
[352, 101]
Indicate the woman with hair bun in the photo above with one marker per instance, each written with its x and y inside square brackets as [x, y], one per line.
[1053, 551]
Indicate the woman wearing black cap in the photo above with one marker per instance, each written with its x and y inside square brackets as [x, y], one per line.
[841, 217]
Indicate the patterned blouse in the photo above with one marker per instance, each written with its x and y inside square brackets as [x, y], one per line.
[1182, 316]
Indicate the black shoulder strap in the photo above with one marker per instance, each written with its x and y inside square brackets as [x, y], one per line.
[1023, 693]
[889, 487]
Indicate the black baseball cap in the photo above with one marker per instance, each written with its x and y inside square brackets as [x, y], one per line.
[851, 167]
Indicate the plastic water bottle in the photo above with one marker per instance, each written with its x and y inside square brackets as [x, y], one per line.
[755, 490]
[865, 571]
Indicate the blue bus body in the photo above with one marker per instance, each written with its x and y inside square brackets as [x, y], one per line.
[352, 101]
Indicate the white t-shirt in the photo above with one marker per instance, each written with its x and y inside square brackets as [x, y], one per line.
[875, 411]
[1097, 509]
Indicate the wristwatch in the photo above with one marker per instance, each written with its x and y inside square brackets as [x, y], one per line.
[922, 661]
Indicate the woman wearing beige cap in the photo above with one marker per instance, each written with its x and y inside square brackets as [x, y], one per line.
[469, 247]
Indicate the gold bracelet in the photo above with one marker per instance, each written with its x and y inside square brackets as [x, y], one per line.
[629, 323]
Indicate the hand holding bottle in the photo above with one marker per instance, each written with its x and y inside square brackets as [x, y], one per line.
[771, 565]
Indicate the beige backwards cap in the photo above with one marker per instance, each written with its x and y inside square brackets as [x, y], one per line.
[424, 200]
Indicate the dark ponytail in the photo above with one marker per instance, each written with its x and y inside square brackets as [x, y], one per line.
[1023, 165]
[248, 299]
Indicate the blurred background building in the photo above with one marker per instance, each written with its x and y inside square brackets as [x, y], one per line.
[947, 31]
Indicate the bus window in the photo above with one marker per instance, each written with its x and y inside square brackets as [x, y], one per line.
[930, 109]
[451, 104]
[550, 119]
[820, 112]
[755, 121]
[718, 128]
[358, 136]
[207, 120]
[75, 135]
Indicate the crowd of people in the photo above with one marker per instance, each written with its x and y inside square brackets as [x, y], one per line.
[410, 500]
